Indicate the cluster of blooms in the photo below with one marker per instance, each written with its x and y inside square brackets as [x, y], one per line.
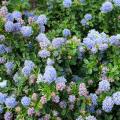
[28, 67]
[9, 67]
[116, 2]
[94, 98]
[3, 48]
[10, 102]
[53, 86]
[87, 118]
[67, 3]
[44, 43]
[14, 21]
[108, 6]
[82, 1]
[104, 85]
[58, 42]
[109, 102]
[42, 21]
[26, 31]
[66, 32]
[43, 40]
[86, 19]
[50, 74]
[99, 41]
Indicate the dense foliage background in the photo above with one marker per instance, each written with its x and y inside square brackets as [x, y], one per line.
[77, 68]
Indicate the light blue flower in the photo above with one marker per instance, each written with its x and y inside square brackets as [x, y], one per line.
[94, 98]
[42, 20]
[44, 42]
[107, 104]
[67, 3]
[8, 116]
[9, 26]
[16, 15]
[104, 86]
[42, 28]
[117, 2]
[17, 26]
[44, 53]
[2, 37]
[9, 65]
[88, 16]
[28, 14]
[26, 71]
[83, 22]
[2, 48]
[90, 118]
[10, 102]
[58, 42]
[82, 1]
[66, 32]
[50, 74]
[25, 101]
[50, 62]
[1, 109]
[106, 7]
[116, 98]
[26, 31]
[9, 17]
[29, 63]
[2, 98]
[60, 80]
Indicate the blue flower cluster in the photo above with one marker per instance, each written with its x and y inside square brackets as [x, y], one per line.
[28, 67]
[10, 102]
[86, 19]
[94, 98]
[99, 41]
[116, 98]
[50, 74]
[104, 86]
[42, 20]
[58, 42]
[106, 7]
[117, 2]
[16, 15]
[2, 38]
[88, 16]
[67, 3]
[2, 98]
[9, 67]
[90, 118]
[44, 53]
[25, 101]
[2, 49]
[9, 26]
[26, 31]
[8, 116]
[43, 40]
[50, 62]
[83, 22]
[66, 32]
[82, 1]
[107, 104]
[1, 109]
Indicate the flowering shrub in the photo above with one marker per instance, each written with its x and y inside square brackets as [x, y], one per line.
[59, 60]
